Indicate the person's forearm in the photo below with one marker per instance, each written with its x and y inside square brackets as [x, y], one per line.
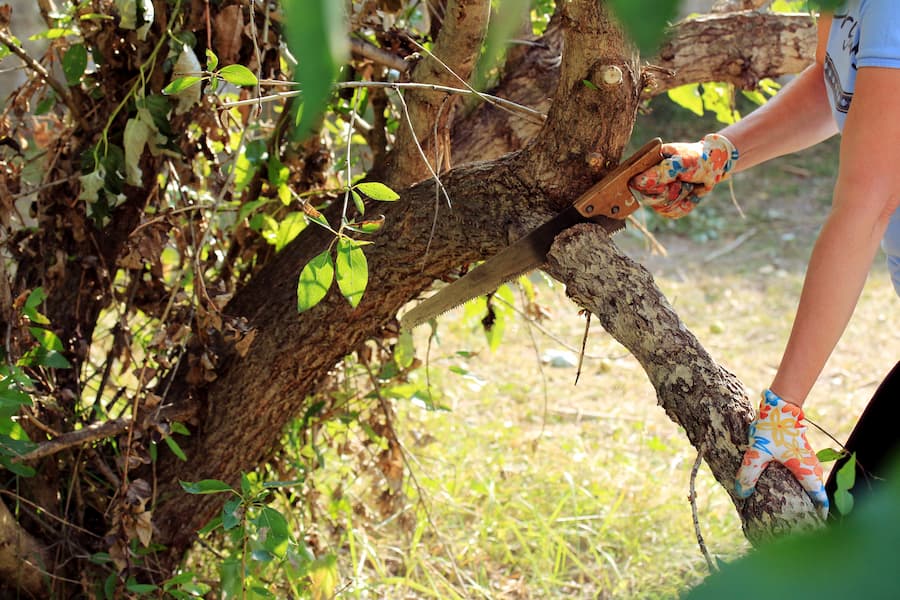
[836, 274]
[797, 117]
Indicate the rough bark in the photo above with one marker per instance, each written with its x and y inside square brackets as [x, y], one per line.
[740, 48]
[705, 399]
[457, 46]
[21, 558]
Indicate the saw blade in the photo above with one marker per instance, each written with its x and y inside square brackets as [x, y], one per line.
[524, 255]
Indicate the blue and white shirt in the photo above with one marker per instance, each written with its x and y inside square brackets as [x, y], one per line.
[864, 33]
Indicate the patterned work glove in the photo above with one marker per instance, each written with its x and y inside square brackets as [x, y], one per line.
[689, 172]
[777, 434]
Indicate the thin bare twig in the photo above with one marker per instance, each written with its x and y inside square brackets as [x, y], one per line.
[93, 433]
[465, 83]
[552, 335]
[692, 497]
[540, 365]
[42, 72]
[728, 248]
[651, 239]
[404, 454]
[434, 174]
[584, 338]
[373, 52]
[536, 115]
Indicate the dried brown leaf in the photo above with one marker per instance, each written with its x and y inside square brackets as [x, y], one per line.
[227, 31]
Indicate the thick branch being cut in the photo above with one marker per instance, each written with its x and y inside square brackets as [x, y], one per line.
[709, 402]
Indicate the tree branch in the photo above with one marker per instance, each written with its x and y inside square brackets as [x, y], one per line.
[741, 48]
[20, 558]
[709, 402]
[99, 431]
[457, 47]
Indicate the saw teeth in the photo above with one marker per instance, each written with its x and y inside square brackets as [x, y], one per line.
[410, 320]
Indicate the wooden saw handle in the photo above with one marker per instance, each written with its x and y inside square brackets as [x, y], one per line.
[611, 197]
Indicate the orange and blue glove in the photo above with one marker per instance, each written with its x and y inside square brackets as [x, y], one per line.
[690, 171]
[778, 434]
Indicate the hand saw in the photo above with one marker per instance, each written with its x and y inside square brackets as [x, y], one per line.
[608, 202]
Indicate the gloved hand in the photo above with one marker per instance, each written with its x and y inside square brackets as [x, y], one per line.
[674, 186]
[777, 434]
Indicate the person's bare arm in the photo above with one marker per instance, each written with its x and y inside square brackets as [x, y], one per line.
[866, 194]
[796, 118]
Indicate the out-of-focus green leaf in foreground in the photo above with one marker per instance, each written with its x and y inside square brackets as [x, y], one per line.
[317, 37]
[855, 558]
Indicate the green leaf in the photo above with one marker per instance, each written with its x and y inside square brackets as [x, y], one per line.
[206, 486]
[212, 525]
[828, 454]
[180, 84]
[18, 468]
[369, 226]
[261, 555]
[100, 558]
[378, 191]
[506, 19]
[232, 513]
[352, 270]
[289, 228]
[317, 35]
[175, 448]
[12, 399]
[644, 21]
[44, 106]
[35, 299]
[231, 578]
[358, 202]
[846, 476]
[74, 63]
[250, 207]
[212, 61]
[688, 96]
[53, 34]
[589, 84]
[139, 588]
[45, 358]
[277, 532]
[46, 338]
[843, 501]
[404, 350]
[238, 75]
[315, 279]
[268, 485]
